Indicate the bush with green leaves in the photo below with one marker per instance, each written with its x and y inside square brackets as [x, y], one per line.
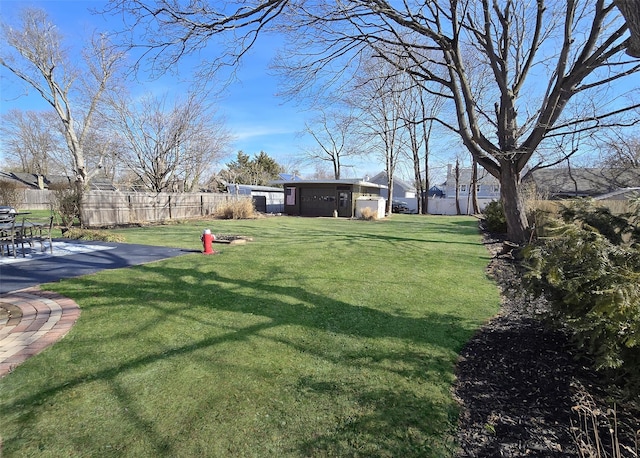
[77, 233]
[586, 212]
[494, 217]
[634, 220]
[593, 287]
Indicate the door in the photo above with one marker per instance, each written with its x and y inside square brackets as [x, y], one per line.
[344, 204]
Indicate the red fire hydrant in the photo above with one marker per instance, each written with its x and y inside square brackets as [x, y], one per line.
[207, 242]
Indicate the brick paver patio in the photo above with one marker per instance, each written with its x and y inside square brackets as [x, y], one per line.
[30, 321]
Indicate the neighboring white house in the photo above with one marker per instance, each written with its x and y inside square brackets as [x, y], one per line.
[402, 190]
[487, 190]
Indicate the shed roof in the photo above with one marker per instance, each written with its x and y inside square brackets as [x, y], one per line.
[342, 181]
[248, 188]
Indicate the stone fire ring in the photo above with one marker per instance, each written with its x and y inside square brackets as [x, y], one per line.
[232, 239]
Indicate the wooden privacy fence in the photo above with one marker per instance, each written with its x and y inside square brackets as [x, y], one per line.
[114, 208]
[35, 199]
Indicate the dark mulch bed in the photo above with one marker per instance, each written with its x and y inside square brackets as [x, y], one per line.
[519, 383]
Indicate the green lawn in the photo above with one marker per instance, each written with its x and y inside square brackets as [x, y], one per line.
[322, 337]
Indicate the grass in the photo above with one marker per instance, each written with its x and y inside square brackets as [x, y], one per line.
[322, 337]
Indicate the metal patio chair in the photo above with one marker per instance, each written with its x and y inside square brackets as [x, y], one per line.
[33, 231]
[9, 238]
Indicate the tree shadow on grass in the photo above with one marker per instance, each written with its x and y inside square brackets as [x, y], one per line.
[398, 423]
[393, 420]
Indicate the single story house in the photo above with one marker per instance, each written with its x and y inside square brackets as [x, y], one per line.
[323, 197]
[564, 183]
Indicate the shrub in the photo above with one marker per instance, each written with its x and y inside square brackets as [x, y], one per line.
[66, 203]
[236, 209]
[10, 194]
[494, 217]
[593, 287]
[88, 234]
[586, 212]
[368, 214]
[634, 220]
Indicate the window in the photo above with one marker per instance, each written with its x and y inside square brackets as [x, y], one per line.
[344, 199]
[290, 194]
[463, 188]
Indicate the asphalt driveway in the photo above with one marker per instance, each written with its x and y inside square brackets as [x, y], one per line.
[19, 275]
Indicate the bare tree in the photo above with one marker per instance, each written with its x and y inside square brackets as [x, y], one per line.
[169, 148]
[101, 148]
[29, 141]
[542, 57]
[381, 100]
[456, 172]
[35, 54]
[34, 143]
[473, 188]
[621, 151]
[334, 134]
[321, 173]
[416, 142]
[418, 113]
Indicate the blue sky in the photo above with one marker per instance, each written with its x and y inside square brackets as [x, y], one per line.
[258, 119]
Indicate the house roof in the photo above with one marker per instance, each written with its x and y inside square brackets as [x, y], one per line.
[101, 183]
[583, 182]
[30, 180]
[622, 192]
[381, 178]
[435, 191]
[344, 181]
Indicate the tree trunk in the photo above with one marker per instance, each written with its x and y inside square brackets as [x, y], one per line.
[389, 203]
[419, 186]
[457, 173]
[474, 188]
[425, 196]
[514, 207]
[630, 9]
